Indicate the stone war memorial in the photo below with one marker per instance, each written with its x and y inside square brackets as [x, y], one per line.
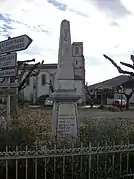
[65, 97]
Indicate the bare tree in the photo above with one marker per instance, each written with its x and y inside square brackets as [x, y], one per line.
[120, 70]
[22, 78]
[131, 73]
[31, 72]
[126, 94]
[35, 74]
[91, 93]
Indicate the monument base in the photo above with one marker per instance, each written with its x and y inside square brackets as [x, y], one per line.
[65, 125]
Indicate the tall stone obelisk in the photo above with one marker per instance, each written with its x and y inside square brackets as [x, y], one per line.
[65, 97]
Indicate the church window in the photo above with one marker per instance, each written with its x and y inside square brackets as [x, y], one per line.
[12, 79]
[43, 79]
[76, 50]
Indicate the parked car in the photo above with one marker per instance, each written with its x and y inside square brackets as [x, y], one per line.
[48, 102]
[117, 102]
[41, 100]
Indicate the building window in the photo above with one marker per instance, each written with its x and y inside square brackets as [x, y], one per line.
[76, 62]
[43, 79]
[12, 79]
[91, 90]
[28, 82]
[76, 50]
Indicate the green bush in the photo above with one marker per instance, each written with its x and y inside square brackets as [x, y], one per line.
[113, 109]
[33, 129]
[30, 131]
[101, 107]
[109, 108]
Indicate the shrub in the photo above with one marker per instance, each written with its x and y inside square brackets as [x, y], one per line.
[109, 108]
[101, 107]
[34, 127]
[113, 109]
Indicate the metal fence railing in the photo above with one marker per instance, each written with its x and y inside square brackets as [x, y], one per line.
[68, 163]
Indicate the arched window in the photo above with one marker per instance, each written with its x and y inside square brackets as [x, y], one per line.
[43, 79]
[76, 50]
[12, 79]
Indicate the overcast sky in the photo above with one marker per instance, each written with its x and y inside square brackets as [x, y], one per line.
[104, 26]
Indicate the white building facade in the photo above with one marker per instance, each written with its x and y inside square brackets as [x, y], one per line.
[47, 76]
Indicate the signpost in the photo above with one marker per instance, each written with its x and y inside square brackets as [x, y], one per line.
[12, 85]
[7, 73]
[7, 91]
[8, 61]
[15, 44]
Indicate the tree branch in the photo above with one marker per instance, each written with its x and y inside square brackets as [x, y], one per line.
[28, 75]
[24, 61]
[130, 95]
[126, 94]
[118, 67]
[127, 65]
[3, 80]
[36, 73]
[132, 58]
[22, 72]
[87, 90]
[32, 72]
[51, 86]
[23, 87]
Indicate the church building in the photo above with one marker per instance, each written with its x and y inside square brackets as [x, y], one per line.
[47, 75]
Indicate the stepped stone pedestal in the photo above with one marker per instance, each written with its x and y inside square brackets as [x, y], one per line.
[65, 97]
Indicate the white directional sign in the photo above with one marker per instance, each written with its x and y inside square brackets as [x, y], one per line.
[6, 85]
[15, 44]
[7, 73]
[7, 61]
[4, 92]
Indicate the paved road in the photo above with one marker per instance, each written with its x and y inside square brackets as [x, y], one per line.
[95, 113]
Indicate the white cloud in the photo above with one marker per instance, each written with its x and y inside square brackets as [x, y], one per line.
[41, 21]
[129, 5]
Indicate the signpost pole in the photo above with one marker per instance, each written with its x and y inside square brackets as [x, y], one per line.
[8, 101]
[8, 97]
[17, 103]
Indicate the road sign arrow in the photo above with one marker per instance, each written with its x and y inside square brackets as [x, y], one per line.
[15, 44]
